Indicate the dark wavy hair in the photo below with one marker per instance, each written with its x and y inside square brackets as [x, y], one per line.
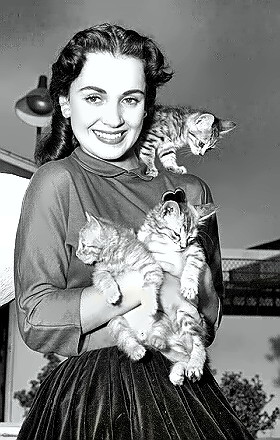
[104, 38]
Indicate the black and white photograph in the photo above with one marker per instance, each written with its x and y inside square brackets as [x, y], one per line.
[140, 220]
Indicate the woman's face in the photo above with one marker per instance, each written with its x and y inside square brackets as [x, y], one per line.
[106, 105]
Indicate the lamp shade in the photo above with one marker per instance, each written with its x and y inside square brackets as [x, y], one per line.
[35, 108]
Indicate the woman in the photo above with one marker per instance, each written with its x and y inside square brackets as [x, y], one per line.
[103, 86]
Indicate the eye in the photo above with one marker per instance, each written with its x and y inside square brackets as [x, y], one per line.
[190, 239]
[131, 101]
[93, 99]
[201, 144]
[176, 237]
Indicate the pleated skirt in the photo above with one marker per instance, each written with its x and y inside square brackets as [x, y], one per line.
[102, 395]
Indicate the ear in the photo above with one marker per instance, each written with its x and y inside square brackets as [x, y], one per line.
[205, 211]
[171, 208]
[88, 216]
[93, 220]
[205, 121]
[226, 126]
[65, 106]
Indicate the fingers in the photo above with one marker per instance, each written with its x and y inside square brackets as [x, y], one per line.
[171, 262]
[162, 245]
[208, 299]
[167, 253]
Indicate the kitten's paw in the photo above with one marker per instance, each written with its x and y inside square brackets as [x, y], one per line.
[138, 353]
[153, 172]
[177, 378]
[189, 292]
[177, 170]
[158, 342]
[113, 297]
[194, 372]
[177, 373]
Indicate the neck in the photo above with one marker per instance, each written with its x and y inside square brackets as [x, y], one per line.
[128, 162]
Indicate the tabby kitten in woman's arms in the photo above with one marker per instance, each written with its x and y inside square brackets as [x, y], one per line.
[178, 332]
[172, 128]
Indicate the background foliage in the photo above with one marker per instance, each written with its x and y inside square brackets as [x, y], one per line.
[248, 400]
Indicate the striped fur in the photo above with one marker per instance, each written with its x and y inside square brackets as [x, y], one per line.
[178, 332]
[115, 250]
[173, 128]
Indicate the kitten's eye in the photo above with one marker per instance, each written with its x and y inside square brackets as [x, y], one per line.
[201, 144]
[190, 240]
[175, 236]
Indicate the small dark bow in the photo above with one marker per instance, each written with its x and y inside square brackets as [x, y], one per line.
[178, 196]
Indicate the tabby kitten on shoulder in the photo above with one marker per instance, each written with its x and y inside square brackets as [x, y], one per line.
[172, 128]
[178, 332]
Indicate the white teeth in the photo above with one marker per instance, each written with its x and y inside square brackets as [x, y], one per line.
[108, 136]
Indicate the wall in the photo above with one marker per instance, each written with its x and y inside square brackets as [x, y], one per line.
[226, 57]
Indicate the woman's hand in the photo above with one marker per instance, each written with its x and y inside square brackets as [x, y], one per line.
[171, 259]
[94, 309]
[209, 303]
[168, 254]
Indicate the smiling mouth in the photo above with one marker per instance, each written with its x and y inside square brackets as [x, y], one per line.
[109, 138]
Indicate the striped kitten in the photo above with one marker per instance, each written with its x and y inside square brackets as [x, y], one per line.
[172, 128]
[180, 332]
[115, 250]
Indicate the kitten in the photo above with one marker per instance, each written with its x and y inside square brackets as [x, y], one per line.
[116, 250]
[178, 333]
[172, 128]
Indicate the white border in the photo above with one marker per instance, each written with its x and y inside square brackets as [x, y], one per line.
[10, 363]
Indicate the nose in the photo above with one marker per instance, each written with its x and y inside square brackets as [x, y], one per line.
[112, 115]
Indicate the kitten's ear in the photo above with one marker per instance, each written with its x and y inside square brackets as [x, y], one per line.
[93, 220]
[205, 211]
[226, 126]
[205, 121]
[88, 216]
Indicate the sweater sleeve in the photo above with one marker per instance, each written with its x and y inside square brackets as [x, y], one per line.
[213, 250]
[210, 241]
[48, 310]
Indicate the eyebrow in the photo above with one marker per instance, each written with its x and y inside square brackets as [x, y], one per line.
[102, 91]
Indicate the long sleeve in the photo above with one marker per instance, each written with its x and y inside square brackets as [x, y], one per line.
[47, 307]
[209, 239]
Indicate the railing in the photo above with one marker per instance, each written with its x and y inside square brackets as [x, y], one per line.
[252, 287]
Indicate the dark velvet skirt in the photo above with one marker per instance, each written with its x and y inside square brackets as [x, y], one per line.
[103, 395]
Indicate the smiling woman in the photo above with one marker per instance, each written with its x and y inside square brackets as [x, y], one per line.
[103, 85]
[107, 121]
